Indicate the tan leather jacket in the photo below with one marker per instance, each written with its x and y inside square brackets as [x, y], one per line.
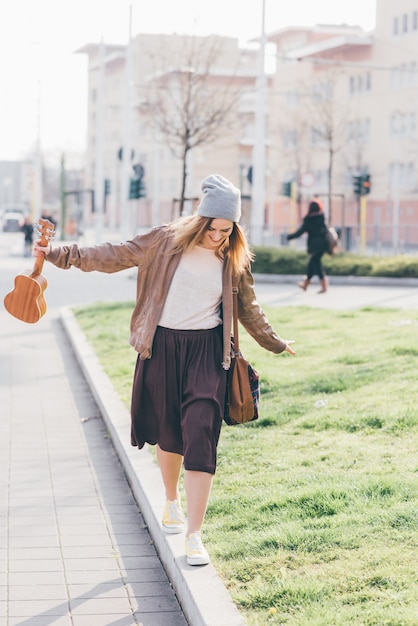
[152, 254]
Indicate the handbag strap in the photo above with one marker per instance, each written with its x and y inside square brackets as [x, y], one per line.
[235, 314]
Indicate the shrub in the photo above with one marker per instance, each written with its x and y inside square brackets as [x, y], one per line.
[286, 261]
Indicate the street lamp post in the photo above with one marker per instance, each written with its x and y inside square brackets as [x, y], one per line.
[127, 138]
[99, 147]
[259, 156]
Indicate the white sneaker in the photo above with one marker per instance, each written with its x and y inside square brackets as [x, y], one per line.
[173, 520]
[195, 552]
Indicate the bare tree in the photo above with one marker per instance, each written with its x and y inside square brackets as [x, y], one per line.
[295, 148]
[329, 123]
[190, 101]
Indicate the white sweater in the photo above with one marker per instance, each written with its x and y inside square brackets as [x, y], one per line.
[195, 294]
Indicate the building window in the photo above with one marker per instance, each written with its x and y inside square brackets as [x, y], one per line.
[395, 26]
[404, 75]
[413, 73]
[366, 131]
[415, 20]
[412, 124]
[402, 124]
[321, 92]
[290, 139]
[392, 125]
[359, 83]
[394, 77]
[316, 93]
[410, 176]
[401, 175]
[405, 23]
[391, 174]
[292, 99]
[358, 131]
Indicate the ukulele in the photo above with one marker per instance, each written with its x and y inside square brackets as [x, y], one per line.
[26, 301]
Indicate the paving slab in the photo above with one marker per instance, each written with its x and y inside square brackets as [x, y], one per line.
[74, 546]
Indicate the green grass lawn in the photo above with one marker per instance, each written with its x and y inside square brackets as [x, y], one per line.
[313, 516]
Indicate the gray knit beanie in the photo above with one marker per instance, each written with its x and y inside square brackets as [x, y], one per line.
[220, 199]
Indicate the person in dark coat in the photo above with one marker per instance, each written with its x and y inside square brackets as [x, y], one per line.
[314, 225]
[47, 216]
[27, 230]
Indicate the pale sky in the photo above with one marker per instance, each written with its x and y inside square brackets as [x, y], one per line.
[44, 81]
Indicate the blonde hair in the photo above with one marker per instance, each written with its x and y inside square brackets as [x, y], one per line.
[189, 231]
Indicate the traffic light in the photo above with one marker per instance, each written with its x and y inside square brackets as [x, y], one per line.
[366, 185]
[136, 189]
[361, 184]
[107, 187]
[357, 183]
[287, 188]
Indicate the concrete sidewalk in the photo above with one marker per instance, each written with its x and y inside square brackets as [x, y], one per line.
[79, 545]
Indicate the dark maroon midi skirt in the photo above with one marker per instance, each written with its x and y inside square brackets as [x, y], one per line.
[178, 396]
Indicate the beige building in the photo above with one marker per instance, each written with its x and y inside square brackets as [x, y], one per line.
[344, 103]
[204, 84]
[341, 103]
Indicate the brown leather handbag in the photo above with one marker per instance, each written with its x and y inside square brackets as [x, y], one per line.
[243, 382]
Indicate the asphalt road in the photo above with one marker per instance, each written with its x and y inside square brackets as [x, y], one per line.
[67, 288]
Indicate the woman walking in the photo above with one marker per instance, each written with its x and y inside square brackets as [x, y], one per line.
[314, 225]
[181, 329]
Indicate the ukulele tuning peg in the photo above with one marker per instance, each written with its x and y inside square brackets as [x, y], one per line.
[45, 227]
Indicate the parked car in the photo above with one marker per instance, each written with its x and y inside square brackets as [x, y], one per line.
[12, 221]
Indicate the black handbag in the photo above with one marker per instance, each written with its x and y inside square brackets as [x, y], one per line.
[331, 240]
[243, 382]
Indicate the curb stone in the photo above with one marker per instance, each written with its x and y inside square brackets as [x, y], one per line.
[202, 595]
[359, 281]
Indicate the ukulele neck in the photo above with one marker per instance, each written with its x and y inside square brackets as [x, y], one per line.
[37, 266]
[45, 230]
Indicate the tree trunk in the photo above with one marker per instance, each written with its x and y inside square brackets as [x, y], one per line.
[183, 181]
